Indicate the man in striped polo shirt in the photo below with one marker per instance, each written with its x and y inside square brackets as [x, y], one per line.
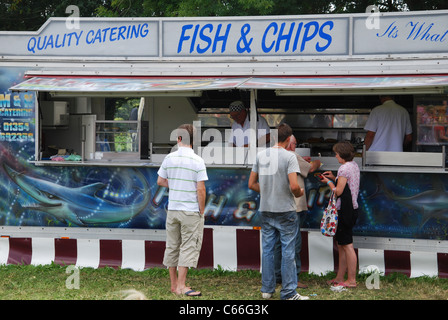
[184, 173]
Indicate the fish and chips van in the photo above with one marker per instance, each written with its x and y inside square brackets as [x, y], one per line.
[88, 112]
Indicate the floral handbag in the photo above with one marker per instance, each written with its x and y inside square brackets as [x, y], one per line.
[329, 222]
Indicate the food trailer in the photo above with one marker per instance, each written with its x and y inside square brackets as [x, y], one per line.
[88, 110]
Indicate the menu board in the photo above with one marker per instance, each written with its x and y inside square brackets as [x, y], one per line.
[432, 120]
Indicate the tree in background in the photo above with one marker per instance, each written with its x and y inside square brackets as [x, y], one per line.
[359, 6]
[186, 8]
[30, 15]
[415, 5]
[189, 8]
[17, 15]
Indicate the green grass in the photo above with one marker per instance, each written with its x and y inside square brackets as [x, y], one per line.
[27, 282]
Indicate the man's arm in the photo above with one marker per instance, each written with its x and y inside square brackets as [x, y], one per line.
[162, 182]
[253, 182]
[315, 164]
[368, 140]
[201, 192]
[294, 185]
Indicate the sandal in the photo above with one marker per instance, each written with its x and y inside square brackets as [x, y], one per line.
[345, 285]
[192, 293]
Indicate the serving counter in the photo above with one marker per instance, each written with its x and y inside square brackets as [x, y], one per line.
[398, 162]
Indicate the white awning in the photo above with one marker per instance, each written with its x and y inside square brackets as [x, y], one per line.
[351, 85]
[119, 86]
[193, 86]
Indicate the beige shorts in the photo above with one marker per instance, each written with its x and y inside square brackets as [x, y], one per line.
[184, 233]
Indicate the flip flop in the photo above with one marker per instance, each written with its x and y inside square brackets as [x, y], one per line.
[332, 282]
[192, 293]
[345, 285]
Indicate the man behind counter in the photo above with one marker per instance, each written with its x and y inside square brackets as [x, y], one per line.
[388, 127]
[241, 126]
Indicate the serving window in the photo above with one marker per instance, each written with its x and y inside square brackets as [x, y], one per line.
[318, 122]
[321, 111]
[78, 129]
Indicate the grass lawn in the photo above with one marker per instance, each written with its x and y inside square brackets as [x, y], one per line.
[52, 282]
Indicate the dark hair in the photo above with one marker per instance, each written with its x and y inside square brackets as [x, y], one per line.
[345, 150]
[185, 133]
[284, 131]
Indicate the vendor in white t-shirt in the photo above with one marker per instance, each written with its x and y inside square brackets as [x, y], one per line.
[241, 125]
[388, 127]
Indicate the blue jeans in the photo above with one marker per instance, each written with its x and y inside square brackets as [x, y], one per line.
[278, 252]
[283, 227]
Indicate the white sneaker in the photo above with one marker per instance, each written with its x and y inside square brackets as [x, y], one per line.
[298, 297]
[266, 295]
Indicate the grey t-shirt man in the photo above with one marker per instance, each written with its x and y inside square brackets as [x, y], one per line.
[273, 166]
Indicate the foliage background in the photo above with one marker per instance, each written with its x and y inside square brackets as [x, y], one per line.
[30, 15]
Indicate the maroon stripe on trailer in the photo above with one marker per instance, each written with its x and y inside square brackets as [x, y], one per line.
[20, 251]
[206, 255]
[248, 249]
[304, 253]
[154, 251]
[110, 253]
[65, 251]
[442, 263]
[397, 261]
